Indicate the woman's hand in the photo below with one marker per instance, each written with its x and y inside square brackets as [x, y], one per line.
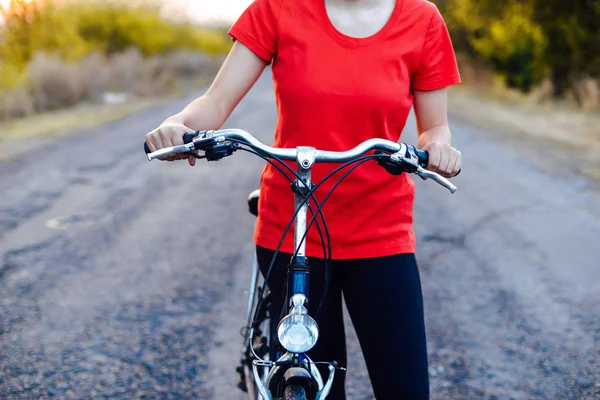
[443, 159]
[167, 135]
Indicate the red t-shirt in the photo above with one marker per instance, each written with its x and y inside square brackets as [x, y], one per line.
[333, 92]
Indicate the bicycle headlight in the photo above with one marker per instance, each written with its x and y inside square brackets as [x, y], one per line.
[298, 333]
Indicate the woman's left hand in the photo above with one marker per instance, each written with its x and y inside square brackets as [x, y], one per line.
[443, 159]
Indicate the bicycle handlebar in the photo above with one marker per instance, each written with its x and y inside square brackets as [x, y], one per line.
[412, 159]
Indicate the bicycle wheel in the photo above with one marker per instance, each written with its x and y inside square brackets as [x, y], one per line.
[294, 392]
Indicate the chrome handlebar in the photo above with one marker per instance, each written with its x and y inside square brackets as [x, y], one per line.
[208, 138]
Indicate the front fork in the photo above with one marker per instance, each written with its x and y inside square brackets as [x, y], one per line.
[266, 394]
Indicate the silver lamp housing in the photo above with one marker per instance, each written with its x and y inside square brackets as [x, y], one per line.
[298, 332]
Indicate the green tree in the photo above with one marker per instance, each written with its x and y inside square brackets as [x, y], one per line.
[572, 29]
[33, 26]
[502, 34]
[115, 26]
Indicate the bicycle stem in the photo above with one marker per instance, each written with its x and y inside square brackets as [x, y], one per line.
[298, 271]
[305, 160]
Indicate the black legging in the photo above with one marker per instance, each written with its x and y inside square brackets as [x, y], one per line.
[384, 299]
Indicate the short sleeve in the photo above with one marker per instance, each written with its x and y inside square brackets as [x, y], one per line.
[257, 28]
[438, 68]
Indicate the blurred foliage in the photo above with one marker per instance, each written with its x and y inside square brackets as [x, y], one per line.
[73, 30]
[59, 53]
[572, 29]
[526, 41]
[51, 83]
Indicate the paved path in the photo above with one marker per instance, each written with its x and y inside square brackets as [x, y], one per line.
[121, 278]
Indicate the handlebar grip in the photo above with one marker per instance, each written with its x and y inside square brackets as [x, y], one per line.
[146, 148]
[189, 137]
[423, 157]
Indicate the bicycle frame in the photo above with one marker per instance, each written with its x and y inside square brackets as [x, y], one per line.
[298, 283]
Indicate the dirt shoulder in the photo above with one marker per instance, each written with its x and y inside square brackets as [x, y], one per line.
[563, 140]
[20, 136]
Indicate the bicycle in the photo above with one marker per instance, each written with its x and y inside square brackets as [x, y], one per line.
[274, 364]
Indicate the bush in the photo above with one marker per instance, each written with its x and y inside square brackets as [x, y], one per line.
[94, 76]
[53, 83]
[16, 103]
[50, 83]
[188, 64]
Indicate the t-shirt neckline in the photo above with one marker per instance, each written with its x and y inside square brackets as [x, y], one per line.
[336, 34]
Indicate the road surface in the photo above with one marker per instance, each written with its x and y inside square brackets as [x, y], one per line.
[121, 278]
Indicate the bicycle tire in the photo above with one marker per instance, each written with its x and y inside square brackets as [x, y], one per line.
[294, 392]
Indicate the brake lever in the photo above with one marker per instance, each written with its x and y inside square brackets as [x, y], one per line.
[406, 160]
[167, 151]
[424, 173]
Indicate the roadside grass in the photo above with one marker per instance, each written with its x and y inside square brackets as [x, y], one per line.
[62, 122]
[16, 137]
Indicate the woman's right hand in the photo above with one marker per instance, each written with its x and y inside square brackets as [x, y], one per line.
[169, 135]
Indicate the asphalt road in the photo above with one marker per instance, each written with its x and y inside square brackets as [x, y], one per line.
[121, 278]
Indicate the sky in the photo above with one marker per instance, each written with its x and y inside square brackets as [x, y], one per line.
[211, 10]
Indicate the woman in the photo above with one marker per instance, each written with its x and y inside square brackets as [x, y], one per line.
[345, 71]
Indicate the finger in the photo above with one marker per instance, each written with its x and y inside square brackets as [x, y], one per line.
[457, 164]
[451, 165]
[165, 138]
[151, 145]
[156, 144]
[153, 141]
[445, 158]
[191, 160]
[435, 156]
[177, 139]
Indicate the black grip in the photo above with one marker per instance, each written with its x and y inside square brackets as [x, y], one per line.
[423, 157]
[187, 138]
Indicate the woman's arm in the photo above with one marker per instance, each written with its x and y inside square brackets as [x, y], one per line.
[238, 73]
[431, 111]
